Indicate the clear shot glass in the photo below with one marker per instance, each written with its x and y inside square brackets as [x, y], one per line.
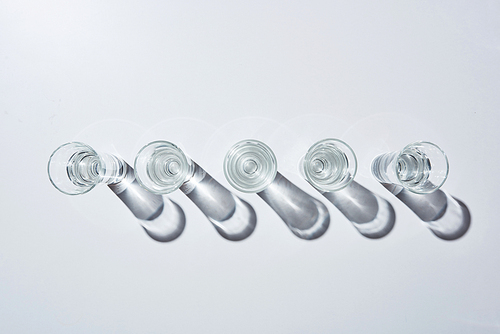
[330, 166]
[415, 175]
[161, 167]
[250, 166]
[421, 167]
[76, 168]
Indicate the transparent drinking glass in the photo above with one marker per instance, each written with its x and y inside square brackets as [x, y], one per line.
[415, 175]
[76, 168]
[250, 166]
[330, 166]
[421, 167]
[161, 167]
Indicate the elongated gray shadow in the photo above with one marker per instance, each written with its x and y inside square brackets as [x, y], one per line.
[231, 216]
[304, 215]
[371, 215]
[162, 219]
[447, 217]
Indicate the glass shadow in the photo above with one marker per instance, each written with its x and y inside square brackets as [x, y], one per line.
[370, 214]
[162, 219]
[446, 216]
[304, 215]
[233, 218]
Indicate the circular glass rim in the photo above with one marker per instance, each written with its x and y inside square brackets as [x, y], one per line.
[87, 189]
[437, 186]
[181, 180]
[266, 149]
[346, 149]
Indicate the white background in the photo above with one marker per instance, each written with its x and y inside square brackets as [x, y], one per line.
[205, 74]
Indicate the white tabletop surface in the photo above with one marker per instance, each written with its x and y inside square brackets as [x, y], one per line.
[205, 74]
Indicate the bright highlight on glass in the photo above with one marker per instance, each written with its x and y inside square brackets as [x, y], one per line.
[421, 167]
[330, 165]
